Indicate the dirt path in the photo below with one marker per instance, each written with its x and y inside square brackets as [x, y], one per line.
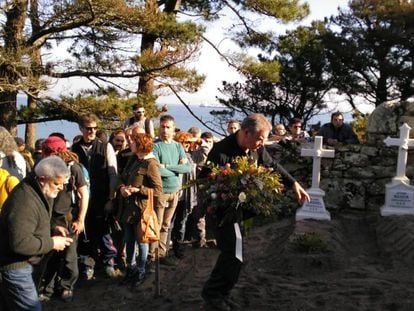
[358, 272]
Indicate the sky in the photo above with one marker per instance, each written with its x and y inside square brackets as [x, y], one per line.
[211, 65]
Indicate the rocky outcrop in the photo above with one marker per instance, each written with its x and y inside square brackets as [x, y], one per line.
[386, 120]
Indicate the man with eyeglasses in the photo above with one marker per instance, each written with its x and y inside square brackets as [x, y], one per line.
[25, 233]
[296, 133]
[99, 159]
[140, 120]
[337, 131]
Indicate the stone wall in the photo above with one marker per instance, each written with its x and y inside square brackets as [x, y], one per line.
[356, 177]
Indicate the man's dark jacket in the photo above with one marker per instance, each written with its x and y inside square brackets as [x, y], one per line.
[25, 226]
[345, 134]
[97, 167]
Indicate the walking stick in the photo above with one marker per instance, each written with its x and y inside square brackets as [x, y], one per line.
[157, 272]
[85, 237]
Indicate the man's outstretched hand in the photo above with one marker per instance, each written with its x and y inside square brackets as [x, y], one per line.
[301, 194]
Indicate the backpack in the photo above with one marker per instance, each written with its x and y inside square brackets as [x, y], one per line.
[85, 172]
[87, 178]
[5, 189]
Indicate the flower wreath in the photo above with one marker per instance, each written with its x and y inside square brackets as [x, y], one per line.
[242, 184]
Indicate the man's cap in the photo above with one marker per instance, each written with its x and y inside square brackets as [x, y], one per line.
[53, 145]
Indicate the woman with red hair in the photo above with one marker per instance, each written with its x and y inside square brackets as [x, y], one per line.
[140, 174]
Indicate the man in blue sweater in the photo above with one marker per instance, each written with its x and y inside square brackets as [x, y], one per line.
[173, 161]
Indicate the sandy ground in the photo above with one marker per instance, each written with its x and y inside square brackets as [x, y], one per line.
[367, 265]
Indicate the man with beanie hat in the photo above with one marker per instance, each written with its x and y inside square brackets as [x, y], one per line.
[53, 145]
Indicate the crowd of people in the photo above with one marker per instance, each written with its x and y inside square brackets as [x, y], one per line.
[333, 133]
[73, 210]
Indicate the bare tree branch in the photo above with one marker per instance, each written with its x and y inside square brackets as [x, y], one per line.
[190, 111]
[228, 60]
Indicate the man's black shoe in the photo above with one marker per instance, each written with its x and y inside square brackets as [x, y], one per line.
[179, 254]
[231, 303]
[216, 304]
[67, 295]
[137, 280]
[178, 249]
[129, 275]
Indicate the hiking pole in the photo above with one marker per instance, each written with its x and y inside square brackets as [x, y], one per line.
[85, 237]
[157, 272]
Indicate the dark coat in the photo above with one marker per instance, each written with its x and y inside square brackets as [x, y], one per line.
[345, 134]
[25, 226]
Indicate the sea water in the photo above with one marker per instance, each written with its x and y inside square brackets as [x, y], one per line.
[184, 120]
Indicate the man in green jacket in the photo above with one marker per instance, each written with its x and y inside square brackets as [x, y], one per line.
[173, 161]
[25, 233]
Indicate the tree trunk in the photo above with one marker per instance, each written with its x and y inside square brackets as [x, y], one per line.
[146, 83]
[30, 133]
[406, 87]
[13, 37]
[8, 111]
[35, 65]
[381, 91]
[172, 6]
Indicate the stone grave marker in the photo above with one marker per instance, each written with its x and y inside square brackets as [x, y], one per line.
[315, 208]
[399, 194]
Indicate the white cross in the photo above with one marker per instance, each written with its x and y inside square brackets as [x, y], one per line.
[403, 142]
[317, 153]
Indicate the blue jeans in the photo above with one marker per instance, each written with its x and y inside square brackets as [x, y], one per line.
[179, 224]
[19, 290]
[131, 238]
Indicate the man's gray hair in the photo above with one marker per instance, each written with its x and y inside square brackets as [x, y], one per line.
[166, 118]
[52, 167]
[256, 122]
